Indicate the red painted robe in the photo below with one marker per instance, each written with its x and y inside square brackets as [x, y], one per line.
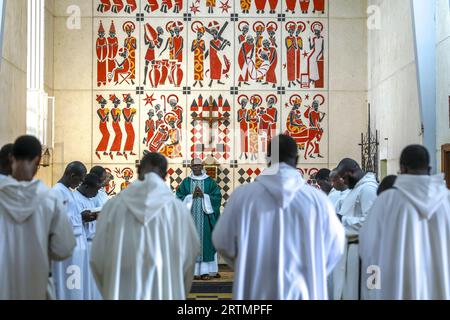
[272, 113]
[290, 4]
[117, 143]
[153, 5]
[102, 54]
[271, 75]
[273, 4]
[215, 67]
[304, 5]
[177, 51]
[290, 58]
[179, 112]
[179, 3]
[298, 60]
[129, 129]
[319, 5]
[260, 4]
[242, 59]
[123, 70]
[242, 115]
[113, 48]
[103, 127]
[132, 4]
[118, 6]
[150, 124]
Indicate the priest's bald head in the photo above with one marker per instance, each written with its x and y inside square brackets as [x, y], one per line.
[153, 162]
[283, 149]
[74, 175]
[415, 160]
[350, 171]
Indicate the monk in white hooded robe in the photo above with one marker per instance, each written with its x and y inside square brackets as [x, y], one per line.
[281, 236]
[146, 242]
[406, 235]
[34, 228]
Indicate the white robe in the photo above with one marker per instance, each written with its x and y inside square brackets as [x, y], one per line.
[84, 204]
[406, 235]
[354, 210]
[146, 244]
[34, 230]
[281, 236]
[337, 198]
[68, 275]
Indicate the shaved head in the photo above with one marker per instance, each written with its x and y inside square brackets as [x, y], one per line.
[415, 159]
[76, 168]
[350, 171]
[287, 150]
[100, 172]
[153, 162]
[74, 175]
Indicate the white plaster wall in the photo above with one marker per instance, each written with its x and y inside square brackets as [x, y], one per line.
[348, 78]
[13, 83]
[442, 74]
[393, 91]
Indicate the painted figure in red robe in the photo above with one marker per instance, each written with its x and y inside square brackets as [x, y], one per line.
[130, 44]
[246, 51]
[272, 116]
[113, 48]
[273, 6]
[103, 114]
[216, 45]
[316, 56]
[271, 75]
[290, 5]
[243, 125]
[176, 109]
[291, 53]
[315, 119]
[131, 6]
[115, 114]
[178, 43]
[104, 6]
[128, 115]
[301, 26]
[260, 5]
[151, 6]
[199, 49]
[153, 39]
[166, 5]
[102, 55]
[304, 6]
[319, 5]
[123, 68]
[150, 127]
[117, 6]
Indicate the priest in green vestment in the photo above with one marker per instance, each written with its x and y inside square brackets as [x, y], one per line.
[202, 196]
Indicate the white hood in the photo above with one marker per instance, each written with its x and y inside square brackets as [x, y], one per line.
[18, 198]
[425, 192]
[282, 182]
[145, 199]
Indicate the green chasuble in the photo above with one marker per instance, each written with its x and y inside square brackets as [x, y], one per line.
[204, 223]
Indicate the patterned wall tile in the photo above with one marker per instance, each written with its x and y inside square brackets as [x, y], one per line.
[116, 54]
[176, 175]
[124, 174]
[214, 138]
[211, 54]
[258, 119]
[163, 54]
[163, 124]
[305, 54]
[246, 174]
[305, 119]
[115, 127]
[225, 182]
